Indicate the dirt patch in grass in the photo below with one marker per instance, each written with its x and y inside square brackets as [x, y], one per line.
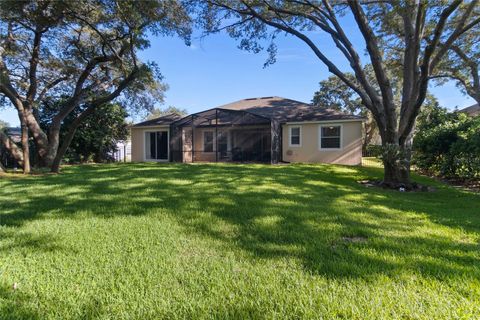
[354, 239]
[463, 184]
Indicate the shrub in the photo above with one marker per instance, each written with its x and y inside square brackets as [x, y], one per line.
[374, 150]
[451, 149]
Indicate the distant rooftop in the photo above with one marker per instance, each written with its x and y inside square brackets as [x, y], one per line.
[14, 131]
[472, 111]
[163, 120]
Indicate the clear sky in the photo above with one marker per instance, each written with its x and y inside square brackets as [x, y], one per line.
[213, 71]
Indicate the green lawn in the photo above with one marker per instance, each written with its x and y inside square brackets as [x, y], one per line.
[234, 241]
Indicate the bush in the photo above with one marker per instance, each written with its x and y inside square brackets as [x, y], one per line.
[450, 149]
[374, 150]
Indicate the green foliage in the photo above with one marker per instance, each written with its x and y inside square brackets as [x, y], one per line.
[449, 145]
[3, 125]
[78, 34]
[335, 94]
[218, 241]
[155, 113]
[96, 138]
[374, 150]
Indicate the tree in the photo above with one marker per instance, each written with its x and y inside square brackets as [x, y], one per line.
[85, 50]
[335, 94]
[448, 145]
[155, 113]
[462, 64]
[403, 39]
[96, 137]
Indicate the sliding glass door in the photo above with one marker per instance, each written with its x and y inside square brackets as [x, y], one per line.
[156, 145]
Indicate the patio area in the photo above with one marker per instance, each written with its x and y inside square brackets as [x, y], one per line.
[221, 135]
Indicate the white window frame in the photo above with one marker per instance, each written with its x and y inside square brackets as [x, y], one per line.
[144, 146]
[299, 136]
[203, 141]
[320, 136]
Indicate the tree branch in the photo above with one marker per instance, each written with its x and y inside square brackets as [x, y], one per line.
[34, 60]
[378, 67]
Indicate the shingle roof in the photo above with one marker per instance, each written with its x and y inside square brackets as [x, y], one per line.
[472, 110]
[287, 110]
[163, 120]
[275, 108]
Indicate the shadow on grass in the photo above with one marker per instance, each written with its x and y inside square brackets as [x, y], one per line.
[13, 305]
[302, 212]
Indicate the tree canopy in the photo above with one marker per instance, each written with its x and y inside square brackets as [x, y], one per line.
[96, 138]
[86, 51]
[462, 64]
[157, 112]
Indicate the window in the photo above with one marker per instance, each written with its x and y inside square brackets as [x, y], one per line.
[156, 145]
[330, 137]
[208, 141]
[295, 139]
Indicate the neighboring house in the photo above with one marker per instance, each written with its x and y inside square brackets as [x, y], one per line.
[472, 111]
[124, 151]
[5, 158]
[268, 129]
[14, 133]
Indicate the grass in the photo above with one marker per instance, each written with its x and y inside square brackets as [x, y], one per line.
[150, 241]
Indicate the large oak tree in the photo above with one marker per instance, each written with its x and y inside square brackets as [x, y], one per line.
[402, 39]
[84, 53]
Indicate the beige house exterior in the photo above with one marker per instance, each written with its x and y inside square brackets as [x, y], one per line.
[310, 149]
[138, 141]
[270, 129]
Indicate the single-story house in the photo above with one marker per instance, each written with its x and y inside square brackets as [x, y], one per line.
[268, 129]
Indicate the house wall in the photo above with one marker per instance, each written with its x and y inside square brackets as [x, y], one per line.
[138, 141]
[309, 151]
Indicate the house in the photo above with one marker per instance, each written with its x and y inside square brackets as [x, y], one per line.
[268, 129]
[6, 159]
[472, 111]
[15, 133]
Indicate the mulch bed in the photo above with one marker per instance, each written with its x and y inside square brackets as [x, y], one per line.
[470, 185]
[413, 187]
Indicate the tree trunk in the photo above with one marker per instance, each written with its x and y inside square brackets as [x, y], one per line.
[55, 167]
[68, 138]
[396, 162]
[46, 146]
[25, 146]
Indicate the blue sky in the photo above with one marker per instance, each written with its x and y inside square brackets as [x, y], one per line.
[213, 71]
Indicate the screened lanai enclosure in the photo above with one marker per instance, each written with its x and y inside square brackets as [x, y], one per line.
[222, 135]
